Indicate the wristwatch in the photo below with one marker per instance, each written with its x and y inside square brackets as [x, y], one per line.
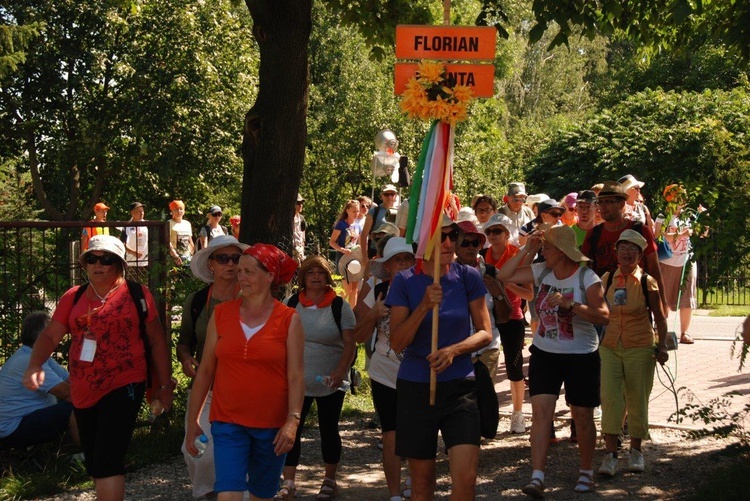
[572, 305]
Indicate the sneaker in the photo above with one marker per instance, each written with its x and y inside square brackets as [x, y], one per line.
[609, 465]
[597, 413]
[636, 463]
[517, 424]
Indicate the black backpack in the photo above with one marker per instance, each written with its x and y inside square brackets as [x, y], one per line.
[596, 234]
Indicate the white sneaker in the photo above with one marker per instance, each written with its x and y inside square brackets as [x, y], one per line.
[517, 424]
[609, 465]
[597, 412]
[636, 463]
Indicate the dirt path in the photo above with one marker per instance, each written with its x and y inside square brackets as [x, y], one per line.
[674, 467]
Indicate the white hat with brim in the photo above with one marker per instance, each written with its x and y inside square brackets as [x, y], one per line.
[199, 263]
[564, 238]
[394, 246]
[350, 266]
[104, 243]
[629, 181]
[498, 220]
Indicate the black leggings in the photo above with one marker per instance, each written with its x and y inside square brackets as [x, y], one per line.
[511, 337]
[329, 412]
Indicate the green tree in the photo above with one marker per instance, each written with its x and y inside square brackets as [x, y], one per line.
[696, 139]
[653, 26]
[128, 100]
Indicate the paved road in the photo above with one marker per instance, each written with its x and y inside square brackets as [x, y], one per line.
[702, 371]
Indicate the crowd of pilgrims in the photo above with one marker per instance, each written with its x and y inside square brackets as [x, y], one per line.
[583, 273]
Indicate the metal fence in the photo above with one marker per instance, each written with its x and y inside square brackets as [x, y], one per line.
[39, 262]
[715, 288]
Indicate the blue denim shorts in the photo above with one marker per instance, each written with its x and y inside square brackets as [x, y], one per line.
[244, 459]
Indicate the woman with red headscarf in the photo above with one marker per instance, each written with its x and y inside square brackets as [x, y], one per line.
[254, 350]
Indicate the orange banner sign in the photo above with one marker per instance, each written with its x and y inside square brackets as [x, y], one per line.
[480, 77]
[473, 43]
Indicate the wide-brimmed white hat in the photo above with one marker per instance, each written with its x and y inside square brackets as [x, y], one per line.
[351, 267]
[104, 243]
[564, 238]
[629, 181]
[396, 245]
[199, 263]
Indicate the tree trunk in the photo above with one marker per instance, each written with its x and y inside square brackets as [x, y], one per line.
[275, 129]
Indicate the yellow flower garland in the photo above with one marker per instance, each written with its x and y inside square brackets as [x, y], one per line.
[430, 96]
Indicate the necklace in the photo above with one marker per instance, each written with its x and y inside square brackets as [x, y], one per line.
[104, 298]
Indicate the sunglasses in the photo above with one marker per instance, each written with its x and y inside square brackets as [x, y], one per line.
[453, 235]
[493, 231]
[225, 258]
[389, 194]
[217, 214]
[470, 243]
[106, 259]
[484, 211]
[555, 213]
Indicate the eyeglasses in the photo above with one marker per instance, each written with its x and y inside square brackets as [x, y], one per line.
[518, 199]
[571, 209]
[493, 231]
[217, 214]
[225, 258]
[389, 194]
[106, 259]
[484, 211]
[555, 213]
[609, 201]
[470, 243]
[453, 235]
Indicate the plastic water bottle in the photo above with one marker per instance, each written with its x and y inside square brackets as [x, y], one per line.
[326, 380]
[201, 443]
[156, 410]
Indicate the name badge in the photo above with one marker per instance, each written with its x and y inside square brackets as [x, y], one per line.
[88, 350]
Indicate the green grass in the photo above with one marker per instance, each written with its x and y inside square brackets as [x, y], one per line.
[729, 311]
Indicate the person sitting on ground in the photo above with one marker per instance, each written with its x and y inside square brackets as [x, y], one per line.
[212, 228]
[34, 417]
[627, 351]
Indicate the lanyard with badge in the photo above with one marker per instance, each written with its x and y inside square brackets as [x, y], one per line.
[88, 350]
